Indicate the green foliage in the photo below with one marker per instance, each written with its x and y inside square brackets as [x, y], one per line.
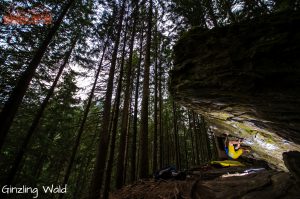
[209, 13]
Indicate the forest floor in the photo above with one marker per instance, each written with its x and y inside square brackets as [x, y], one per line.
[208, 182]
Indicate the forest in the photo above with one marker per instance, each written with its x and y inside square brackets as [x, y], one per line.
[85, 91]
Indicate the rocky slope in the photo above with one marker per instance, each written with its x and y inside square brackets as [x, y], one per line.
[245, 80]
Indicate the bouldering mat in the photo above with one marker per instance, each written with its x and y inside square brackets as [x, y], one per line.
[227, 163]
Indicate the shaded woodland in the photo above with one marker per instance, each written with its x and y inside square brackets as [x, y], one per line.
[85, 100]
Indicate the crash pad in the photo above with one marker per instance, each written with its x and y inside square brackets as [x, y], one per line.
[227, 163]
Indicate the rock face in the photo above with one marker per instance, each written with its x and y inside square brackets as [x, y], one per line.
[245, 80]
[292, 161]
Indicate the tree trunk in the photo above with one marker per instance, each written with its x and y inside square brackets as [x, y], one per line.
[97, 178]
[127, 145]
[11, 106]
[214, 147]
[185, 148]
[196, 139]
[115, 122]
[192, 138]
[206, 138]
[178, 138]
[37, 118]
[121, 157]
[168, 143]
[144, 158]
[202, 143]
[175, 130]
[154, 163]
[135, 113]
[160, 99]
[168, 140]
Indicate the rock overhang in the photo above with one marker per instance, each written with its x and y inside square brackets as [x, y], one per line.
[245, 79]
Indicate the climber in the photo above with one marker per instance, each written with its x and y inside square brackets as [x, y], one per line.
[233, 151]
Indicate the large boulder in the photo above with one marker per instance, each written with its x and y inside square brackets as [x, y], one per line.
[245, 79]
